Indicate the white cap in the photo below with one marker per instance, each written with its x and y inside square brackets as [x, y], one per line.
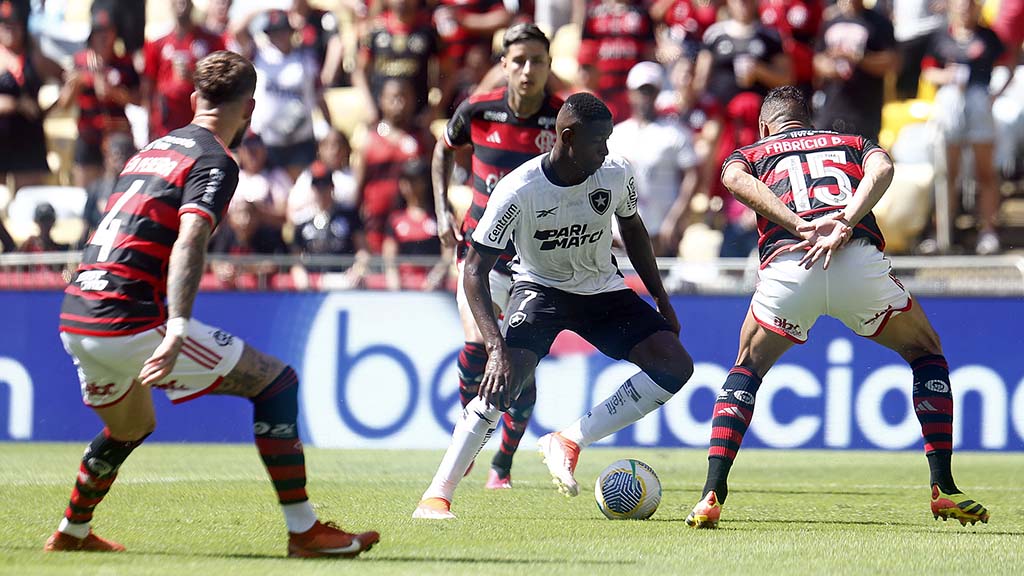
[645, 73]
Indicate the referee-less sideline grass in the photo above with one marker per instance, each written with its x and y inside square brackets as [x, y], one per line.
[208, 509]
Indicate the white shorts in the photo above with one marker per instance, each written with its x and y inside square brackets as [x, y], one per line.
[109, 366]
[501, 287]
[857, 289]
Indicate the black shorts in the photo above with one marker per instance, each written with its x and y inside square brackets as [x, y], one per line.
[614, 322]
[88, 154]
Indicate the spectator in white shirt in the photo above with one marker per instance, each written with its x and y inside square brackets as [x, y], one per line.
[662, 154]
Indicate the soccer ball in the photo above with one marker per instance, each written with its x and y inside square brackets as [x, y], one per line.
[628, 490]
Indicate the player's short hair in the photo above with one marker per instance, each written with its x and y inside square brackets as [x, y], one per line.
[524, 32]
[225, 77]
[587, 108]
[785, 103]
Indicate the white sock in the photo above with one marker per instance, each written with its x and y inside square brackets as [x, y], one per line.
[77, 530]
[299, 516]
[472, 430]
[634, 399]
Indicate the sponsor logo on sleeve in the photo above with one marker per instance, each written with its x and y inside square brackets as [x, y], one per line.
[503, 223]
[631, 195]
[213, 185]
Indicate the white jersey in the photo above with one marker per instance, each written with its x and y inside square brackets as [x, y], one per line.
[285, 95]
[562, 234]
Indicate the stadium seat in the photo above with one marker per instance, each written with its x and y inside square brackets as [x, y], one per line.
[565, 45]
[68, 203]
[348, 109]
[896, 115]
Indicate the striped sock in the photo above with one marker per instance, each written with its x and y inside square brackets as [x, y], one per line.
[472, 361]
[933, 404]
[275, 425]
[514, 424]
[96, 474]
[733, 412]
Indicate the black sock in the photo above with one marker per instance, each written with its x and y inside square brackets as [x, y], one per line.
[718, 477]
[941, 471]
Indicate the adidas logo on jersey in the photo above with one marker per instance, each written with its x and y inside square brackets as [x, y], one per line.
[494, 138]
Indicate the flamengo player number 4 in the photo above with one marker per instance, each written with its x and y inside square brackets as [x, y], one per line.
[106, 232]
[837, 196]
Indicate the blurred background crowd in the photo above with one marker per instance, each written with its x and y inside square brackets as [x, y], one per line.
[353, 94]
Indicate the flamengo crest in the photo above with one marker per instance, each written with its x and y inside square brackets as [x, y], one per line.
[600, 199]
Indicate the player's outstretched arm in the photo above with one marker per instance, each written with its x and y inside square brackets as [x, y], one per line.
[184, 270]
[496, 386]
[641, 255]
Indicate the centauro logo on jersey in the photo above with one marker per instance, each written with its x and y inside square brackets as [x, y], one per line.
[568, 237]
[503, 222]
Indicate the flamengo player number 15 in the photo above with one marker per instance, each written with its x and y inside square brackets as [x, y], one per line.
[837, 196]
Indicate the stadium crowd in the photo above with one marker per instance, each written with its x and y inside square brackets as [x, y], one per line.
[352, 96]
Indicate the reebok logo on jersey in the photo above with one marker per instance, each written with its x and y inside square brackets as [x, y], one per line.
[546, 212]
[567, 237]
[494, 138]
[499, 227]
[600, 199]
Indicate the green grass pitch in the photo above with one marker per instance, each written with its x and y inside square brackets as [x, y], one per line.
[208, 509]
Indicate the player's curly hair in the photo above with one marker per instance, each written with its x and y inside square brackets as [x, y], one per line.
[524, 32]
[587, 108]
[225, 77]
[785, 103]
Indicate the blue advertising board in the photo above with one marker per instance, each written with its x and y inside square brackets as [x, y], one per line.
[378, 370]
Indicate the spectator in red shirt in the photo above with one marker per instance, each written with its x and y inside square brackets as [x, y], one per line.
[686, 21]
[390, 144]
[218, 20]
[617, 34]
[102, 84]
[412, 231]
[798, 23]
[466, 28]
[169, 64]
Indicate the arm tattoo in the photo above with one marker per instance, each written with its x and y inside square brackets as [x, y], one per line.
[187, 262]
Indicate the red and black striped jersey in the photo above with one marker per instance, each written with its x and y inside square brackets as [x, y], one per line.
[501, 141]
[813, 172]
[96, 115]
[616, 36]
[121, 284]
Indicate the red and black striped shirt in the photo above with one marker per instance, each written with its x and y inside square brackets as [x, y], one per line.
[97, 116]
[121, 284]
[813, 172]
[501, 142]
[616, 37]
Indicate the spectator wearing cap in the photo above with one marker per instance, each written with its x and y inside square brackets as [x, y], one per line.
[265, 188]
[395, 140]
[23, 69]
[102, 83]
[333, 229]
[402, 44]
[334, 152]
[288, 88]
[662, 154]
[45, 217]
[167, 73]
[960, 59]
[412, 231]
[118, 148]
